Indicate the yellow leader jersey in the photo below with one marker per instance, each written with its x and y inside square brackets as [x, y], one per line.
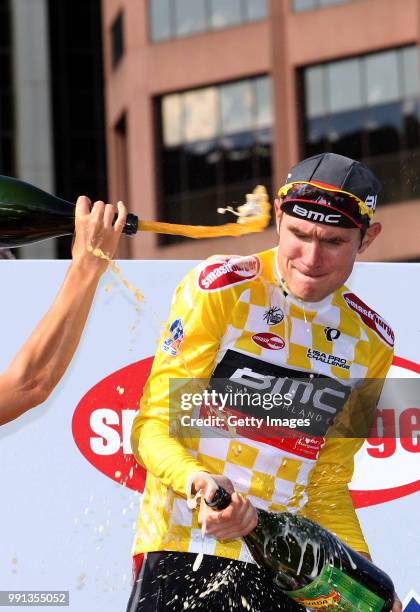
[231, 319]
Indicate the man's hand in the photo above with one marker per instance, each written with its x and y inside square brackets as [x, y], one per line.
[238, 519]
[397, 607]
[94, 229]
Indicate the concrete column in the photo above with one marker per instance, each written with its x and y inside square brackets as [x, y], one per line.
[33, 113]
[286, 137]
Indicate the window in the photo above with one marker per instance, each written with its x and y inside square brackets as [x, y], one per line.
[368, 108]
[190, 17]
[215, 146]
[117, 39]
[298, 6]
[121, 159]
[225, 14]
[177, 18]
[77, 90]
[160, 19]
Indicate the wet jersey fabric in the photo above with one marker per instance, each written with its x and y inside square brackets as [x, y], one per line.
[233, 315]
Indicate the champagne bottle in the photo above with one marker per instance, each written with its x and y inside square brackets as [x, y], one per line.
[29, 214]
[311, 565]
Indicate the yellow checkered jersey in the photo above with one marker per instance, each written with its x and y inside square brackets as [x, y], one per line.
[271, 365]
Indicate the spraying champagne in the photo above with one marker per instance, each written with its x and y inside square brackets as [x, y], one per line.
[311, 565]
[29, 214]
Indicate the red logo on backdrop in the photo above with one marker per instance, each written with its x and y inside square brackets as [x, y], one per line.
[103, 419]
[371, 318]
[398, 435]
[102, 424]
[228, 272]
[269, 341]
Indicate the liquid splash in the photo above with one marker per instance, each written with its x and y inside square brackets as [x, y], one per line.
[97, 252]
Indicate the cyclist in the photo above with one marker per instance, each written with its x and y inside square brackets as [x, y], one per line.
[262, 321]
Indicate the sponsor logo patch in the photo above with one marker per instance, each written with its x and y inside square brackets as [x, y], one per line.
[309, 444]
[269, 341]
[331, 333]
[232, 271]
[371, 202]
[172, 343]
[273, 315]
[315, 215]
[371, 318]
[329, 359]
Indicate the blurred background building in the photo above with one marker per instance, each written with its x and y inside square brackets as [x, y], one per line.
[206, 98]
[52, 125]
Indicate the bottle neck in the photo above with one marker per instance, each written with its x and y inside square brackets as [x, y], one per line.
[131, 225]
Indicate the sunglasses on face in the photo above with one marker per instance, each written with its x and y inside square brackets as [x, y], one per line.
[353, 210]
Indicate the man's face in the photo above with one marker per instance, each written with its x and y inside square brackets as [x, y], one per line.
[314, 259]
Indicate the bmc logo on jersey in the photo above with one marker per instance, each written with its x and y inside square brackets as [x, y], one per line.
[317, 216]
[269, 341]
[228, 272]
[370, 318]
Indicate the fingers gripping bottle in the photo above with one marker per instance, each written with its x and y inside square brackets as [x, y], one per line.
[311, 565]
[29, 214]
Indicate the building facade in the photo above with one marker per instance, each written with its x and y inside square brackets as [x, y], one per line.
[207, 98]
[52, 128]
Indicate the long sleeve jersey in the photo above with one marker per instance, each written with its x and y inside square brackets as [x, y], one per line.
[232, 319]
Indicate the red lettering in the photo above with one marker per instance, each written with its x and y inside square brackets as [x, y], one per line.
[382, 435]
[410, 430]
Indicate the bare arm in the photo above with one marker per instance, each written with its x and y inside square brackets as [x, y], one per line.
[45, 356]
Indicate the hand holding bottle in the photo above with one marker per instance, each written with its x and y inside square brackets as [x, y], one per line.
[311, 564]
[397, 606]
[237, 520]
[95, 230]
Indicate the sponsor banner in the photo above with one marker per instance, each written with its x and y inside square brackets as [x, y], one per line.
[388, 464]
[70, 481]
[102, 424]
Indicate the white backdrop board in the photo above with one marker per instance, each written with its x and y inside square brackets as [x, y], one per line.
[65, 524]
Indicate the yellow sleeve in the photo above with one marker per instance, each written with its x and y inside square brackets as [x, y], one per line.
[203, 317]
[329, 502]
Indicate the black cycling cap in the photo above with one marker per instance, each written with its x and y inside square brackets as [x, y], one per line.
[336, 177]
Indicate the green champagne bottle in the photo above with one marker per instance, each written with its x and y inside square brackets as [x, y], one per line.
[311, 565]
[29, 214]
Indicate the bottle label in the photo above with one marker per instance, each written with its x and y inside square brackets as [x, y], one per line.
[334, 590]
